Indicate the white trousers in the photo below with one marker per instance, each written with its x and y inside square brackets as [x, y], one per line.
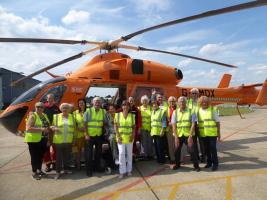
[125, 157]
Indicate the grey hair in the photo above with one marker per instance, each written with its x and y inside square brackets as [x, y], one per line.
[144, 98]
[97, 99]
[171, 98]
[64, 105]
[182, 98]
[194, 90]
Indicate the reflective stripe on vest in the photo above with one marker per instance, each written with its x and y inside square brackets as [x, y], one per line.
[62, 135]
[80, 123]
[95, 121]
[183, 122]
[35, 136]
[125, 126]
[146, 118]
[207, 125]
[156, 121]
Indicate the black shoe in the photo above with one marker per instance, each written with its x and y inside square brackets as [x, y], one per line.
[197, 169]
[36, 176]
[175, 167]
[214, 168]
[89, 174]
[207, 166]
[42, 174]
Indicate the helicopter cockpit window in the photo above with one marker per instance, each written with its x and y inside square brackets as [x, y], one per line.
[58, 92]
[31, 93]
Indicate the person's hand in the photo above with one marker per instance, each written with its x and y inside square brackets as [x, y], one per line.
[219, 138]
[87, 137]
[119, 140]
[161, 133]
[47, 130]
[54, 128]
[176, 142]
[190, 141]
[153, 91]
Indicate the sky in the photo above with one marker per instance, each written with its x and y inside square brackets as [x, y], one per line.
[237, 38]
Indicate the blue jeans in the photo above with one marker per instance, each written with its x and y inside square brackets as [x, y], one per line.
[211, 150]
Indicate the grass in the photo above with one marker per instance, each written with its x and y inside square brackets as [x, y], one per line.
[228, 111]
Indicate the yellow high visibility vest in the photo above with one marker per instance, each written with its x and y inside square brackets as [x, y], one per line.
[35, 136]
[146, 118]
[183, 122]
[156, 121]
[80, 123]
[125, 126]
[206, 124]
[59, 136]
[194, 107]
[95, 121]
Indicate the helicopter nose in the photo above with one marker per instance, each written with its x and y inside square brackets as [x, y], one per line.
[11, 120]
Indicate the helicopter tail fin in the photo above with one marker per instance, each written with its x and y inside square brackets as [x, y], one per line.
[262, 96]
[225, 81]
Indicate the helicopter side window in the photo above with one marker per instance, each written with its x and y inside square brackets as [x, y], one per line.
[31, 93]
[58, 92]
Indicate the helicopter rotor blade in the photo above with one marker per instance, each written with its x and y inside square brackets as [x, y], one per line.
[176, 54]
[55, 41]
[79, 55]
[229, 9]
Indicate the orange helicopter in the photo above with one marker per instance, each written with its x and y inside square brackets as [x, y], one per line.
[132, 77]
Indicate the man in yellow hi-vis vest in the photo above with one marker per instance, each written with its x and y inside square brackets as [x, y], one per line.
[209, 127]
[183, 124]
[158, 126]
[192, 103]
[94, 119]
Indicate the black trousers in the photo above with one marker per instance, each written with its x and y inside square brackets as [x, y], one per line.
[159, 148]
[199, 140]
[37, 151]
[183, 140]
[90, 153]
[211, 150]
[62, 156]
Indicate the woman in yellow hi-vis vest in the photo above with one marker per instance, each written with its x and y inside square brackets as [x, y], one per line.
[94, 122]
[78, 115]
[209, 127]
[183, 124]
[64, 127]
[158, 125]
[124, 125]
[146, 139]
[37, 129]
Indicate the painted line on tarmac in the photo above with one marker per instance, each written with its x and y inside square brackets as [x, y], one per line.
[229, 188]
[13, 159]
[116, 194]
[15, 167]
[127, 187]
[237, 131]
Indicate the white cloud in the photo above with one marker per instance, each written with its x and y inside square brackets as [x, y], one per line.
[188, 37]
[74, 17]
[179, 49]
[152, 5]
[211, 49]
[258, 67]
[185, 62]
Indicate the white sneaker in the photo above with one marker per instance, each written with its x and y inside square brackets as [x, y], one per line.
[117, 162]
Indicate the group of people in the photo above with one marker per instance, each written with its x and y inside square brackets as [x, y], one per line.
[52, 133]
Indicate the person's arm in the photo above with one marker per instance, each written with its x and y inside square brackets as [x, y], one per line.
[174, 130]
[218, 130]
[164, 124]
